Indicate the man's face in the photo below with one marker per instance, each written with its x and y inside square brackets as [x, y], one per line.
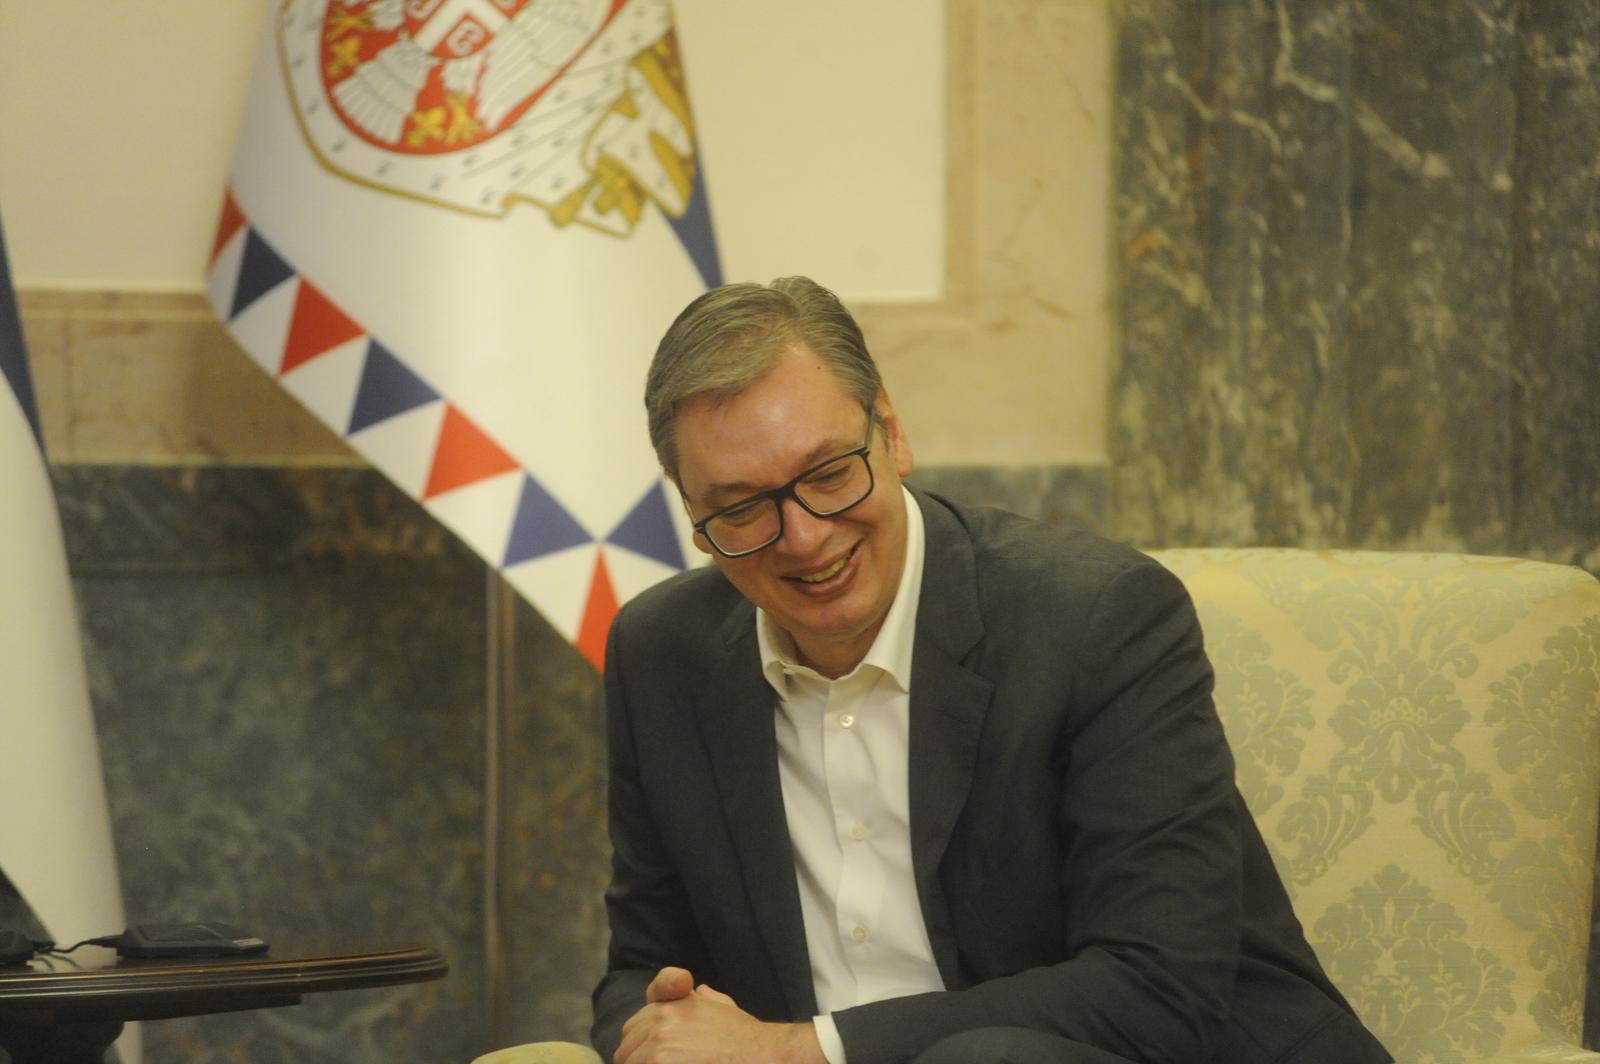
[828, 581]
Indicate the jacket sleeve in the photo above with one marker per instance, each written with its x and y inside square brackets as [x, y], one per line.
[1149, 881]
[647, 907]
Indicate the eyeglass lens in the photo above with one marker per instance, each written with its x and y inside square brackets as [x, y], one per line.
[824, 491]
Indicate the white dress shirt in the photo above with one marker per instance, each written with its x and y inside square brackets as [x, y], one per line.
[843, 750]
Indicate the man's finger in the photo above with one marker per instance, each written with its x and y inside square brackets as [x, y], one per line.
[633, 1021]
[670, 984]
[707, 991]
[630, 1042]
[634, 1031]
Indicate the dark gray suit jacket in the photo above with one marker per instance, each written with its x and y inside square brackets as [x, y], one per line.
[1084, 863]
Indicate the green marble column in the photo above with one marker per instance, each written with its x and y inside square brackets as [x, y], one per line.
[1359, 248]
[1556, 247]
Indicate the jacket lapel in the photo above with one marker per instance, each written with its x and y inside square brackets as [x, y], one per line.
[736, 724]
[948, 704]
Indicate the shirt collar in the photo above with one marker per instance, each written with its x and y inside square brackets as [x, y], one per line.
[890, 652]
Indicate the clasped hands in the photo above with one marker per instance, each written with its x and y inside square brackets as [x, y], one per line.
[686, 1024]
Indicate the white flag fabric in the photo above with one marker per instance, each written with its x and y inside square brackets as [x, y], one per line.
[55, 825]
[455, 230]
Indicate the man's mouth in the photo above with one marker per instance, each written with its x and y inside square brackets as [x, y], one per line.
[831, 571]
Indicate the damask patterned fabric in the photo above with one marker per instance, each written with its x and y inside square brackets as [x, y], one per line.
[1418, 736]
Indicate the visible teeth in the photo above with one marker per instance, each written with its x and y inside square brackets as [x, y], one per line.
[830, 571]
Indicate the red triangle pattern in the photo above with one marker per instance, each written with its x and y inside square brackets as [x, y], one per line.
[597, 615]
[464, 455]
[317, 326]
[232, 221]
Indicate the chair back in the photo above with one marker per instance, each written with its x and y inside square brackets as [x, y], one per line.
[1418, 736]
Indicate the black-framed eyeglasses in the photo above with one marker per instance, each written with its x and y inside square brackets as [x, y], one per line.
[827, 489]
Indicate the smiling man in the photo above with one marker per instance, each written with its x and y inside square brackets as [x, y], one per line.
[902, 780]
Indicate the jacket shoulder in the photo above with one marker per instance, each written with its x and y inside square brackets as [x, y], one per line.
[684, 610]
[1039, 589]
[1028, 552]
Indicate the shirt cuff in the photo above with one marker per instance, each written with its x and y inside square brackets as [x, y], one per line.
[828, 1037]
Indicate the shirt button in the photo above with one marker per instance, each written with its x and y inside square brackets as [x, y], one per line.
[858, 933]
[858, 832]
[847, 721]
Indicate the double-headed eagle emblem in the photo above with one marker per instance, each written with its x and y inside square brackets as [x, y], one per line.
[577, 106]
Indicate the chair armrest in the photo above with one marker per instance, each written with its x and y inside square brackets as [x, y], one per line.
[1545, 1052]
[551, 1053]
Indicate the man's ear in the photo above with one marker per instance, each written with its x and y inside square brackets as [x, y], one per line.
[894, 433]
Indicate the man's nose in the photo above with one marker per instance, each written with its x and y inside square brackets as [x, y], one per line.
[802, 531]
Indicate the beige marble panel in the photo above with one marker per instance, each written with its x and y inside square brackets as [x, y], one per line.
[153, 378]
[1011, 367]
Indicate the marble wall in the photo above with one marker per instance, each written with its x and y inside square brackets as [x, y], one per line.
[1357, 241]
[287, 669]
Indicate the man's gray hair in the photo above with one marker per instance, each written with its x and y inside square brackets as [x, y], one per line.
[730, 337]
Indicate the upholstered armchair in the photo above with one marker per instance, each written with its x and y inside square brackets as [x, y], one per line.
[1418, 736]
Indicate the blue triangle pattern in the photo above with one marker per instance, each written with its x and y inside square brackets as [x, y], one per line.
[260, 271]
[695, 231]
[542, 526]
[648, 529]
[388, 388]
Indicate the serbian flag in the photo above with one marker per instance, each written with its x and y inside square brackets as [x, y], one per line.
[55, 828]
[455, 230]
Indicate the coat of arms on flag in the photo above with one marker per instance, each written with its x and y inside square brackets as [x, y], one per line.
[455, 230]
[578, 107]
